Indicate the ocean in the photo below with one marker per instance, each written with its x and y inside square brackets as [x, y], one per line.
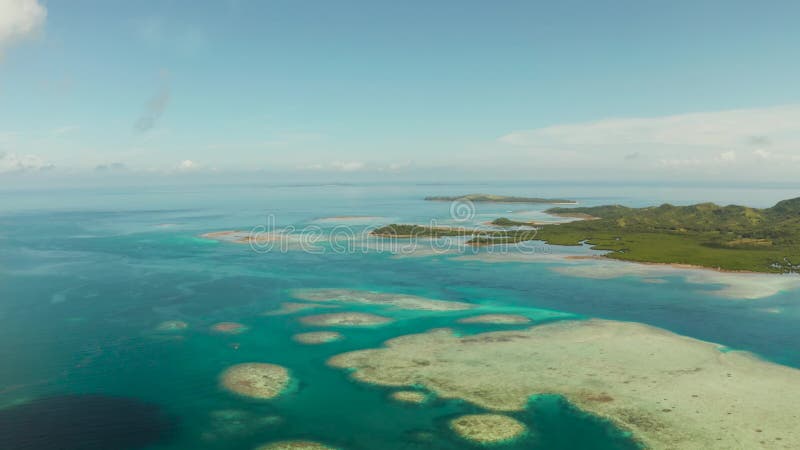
[87, 276]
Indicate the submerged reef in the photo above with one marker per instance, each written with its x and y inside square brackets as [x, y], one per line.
[317, 337]
[497, 319]
[398, 301]
[346, 319]
[228, 328]
[172, 325]
[293, 307]
[670, 391]
[235, 423]
[84, 422]
[488, 428]
[243, 237]
[256, 380]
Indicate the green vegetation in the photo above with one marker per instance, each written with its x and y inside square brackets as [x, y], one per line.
[506, 222]
[725, 237]
[498, 199]
[478, 237]
[407, 231]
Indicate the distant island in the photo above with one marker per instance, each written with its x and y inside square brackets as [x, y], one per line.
[500, 199]
[478, 237]
[735, 238]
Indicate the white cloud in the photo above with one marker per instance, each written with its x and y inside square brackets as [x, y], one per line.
[187, 165]
[736, 127]
[12, 162]
[315, 166]
[356, 166]
[762, 154]
[706, 139]
[19, 20]
[399, 165]
[348, 166]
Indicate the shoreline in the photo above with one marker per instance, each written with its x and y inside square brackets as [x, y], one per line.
[674, 265]
[579, 216]
[532, 223]
[682, 266]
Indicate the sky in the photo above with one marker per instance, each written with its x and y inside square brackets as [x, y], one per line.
[345, 90]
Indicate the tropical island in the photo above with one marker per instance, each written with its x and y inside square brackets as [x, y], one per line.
[477, 237]
[489, 198]
[734, 238]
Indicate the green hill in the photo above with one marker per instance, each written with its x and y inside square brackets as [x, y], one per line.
[724, 237]
[728, 237]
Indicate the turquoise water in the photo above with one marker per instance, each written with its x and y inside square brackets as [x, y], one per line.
[85, 278]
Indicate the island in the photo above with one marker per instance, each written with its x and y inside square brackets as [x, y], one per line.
[733, 237]
[489, 198]
[476, 237]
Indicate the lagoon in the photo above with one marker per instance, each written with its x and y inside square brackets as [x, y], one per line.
[87, 278]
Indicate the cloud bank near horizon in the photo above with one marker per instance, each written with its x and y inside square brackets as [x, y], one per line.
[710, 142]
[757, 144]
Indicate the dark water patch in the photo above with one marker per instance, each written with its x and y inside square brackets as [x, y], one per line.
[557, 424]
[552, 423]
[84, 422]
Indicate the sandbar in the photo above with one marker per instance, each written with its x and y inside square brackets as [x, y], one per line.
[398, 301]
[497, 319]
[317, 337]
[347, 319]
[241, 236]
[670, 391]
[726, 284]
[736, 285]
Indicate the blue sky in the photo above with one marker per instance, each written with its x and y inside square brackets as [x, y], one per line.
[639, 89]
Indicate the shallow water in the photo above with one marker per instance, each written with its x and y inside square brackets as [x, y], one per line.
[86, 277]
